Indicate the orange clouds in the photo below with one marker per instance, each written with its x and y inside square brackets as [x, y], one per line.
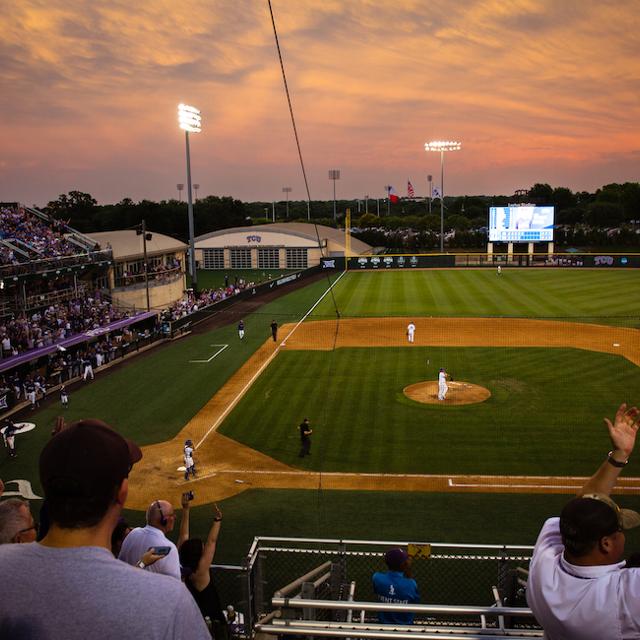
[536, 90]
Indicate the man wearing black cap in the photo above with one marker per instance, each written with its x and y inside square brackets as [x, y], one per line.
[69, 586]
[579, 587]
[396, 586]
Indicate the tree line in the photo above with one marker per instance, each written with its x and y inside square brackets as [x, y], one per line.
[581, 217]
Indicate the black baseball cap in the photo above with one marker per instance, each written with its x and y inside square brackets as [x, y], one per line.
[593, 516]
[85, 459]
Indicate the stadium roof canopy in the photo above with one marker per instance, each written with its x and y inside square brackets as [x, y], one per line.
[127, 244]
[302, 233]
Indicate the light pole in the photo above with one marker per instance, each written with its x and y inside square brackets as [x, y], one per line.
[366, 203]
[388, 190]
[287, 191]
[430, 189]
[190, 121]
[179, 187]
[195, 188]
[442, 146]
[142, 230]
[334, 174]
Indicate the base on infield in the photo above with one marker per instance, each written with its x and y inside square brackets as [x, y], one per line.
[459, 393]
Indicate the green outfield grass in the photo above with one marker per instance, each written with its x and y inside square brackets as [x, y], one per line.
[609, 297]
[542, 401]
[153, 397]
[381, 515]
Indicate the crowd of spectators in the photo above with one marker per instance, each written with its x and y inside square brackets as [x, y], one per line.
[191, 302]
[160, 272]
[42, 240]
[66, 365]
[86, 549]
[48, 326]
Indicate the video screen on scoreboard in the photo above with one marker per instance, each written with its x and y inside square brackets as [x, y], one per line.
[521, 224]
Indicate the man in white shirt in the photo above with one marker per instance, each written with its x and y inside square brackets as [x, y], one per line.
[161, 519]
[579, 588]
[411, 330]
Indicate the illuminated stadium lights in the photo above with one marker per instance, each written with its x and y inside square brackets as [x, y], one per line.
[189, 118]
[441, 146]
[190, 121]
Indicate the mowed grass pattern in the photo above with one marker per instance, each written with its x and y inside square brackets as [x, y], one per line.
[544, 416]
[608, 297]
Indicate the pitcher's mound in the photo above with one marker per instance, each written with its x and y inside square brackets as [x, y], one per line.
[459, 393]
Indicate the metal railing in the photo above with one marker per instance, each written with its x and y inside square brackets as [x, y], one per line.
[56, 264]
[321, 577]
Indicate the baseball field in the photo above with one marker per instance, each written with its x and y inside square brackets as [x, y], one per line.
[537, 357]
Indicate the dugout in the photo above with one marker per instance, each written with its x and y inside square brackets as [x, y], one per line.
[287, 245]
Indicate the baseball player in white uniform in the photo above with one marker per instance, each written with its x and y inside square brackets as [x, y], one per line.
[442, 384]
[189, 464]
[499, 270]
[411, 330]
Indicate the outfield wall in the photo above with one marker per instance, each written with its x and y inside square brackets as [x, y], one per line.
[444, 261]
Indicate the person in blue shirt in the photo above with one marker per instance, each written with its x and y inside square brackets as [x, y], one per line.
[396, 586]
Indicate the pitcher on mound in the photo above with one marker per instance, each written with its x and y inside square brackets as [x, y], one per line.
[442, 384]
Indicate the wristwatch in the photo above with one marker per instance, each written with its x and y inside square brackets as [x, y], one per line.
[141, 565]
[616, 463]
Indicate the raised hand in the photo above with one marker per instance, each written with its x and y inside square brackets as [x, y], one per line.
[624, 429]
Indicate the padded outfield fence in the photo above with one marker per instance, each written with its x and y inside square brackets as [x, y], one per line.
[462, 260]
[307, 581]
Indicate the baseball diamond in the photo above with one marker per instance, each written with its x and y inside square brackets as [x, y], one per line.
[230, 468]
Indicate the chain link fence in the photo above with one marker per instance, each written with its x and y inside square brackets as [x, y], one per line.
[466, 575]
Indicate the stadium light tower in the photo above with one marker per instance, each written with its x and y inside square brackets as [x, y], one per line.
[190, 121]
[287, 191]
[334, 174]
[441, 146]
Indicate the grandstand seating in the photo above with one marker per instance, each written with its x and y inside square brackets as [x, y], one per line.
[24, 237]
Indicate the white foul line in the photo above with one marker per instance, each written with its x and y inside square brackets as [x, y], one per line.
[506, 485]
[219, 351]
[333, 284]
[244, 389]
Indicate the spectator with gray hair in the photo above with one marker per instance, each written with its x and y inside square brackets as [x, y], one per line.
[16, 522]
[161, 519]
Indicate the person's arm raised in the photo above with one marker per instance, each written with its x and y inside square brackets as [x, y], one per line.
[184, 519]
[201, 574]
[622, 431]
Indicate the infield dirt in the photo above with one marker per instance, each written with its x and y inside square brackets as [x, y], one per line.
[226, 468]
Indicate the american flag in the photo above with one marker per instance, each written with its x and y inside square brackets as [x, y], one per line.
[410, 191]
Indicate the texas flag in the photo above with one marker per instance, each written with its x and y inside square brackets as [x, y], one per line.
[410, 190]
[393, 196]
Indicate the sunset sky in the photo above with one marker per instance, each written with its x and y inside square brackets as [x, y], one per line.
[536, 91]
